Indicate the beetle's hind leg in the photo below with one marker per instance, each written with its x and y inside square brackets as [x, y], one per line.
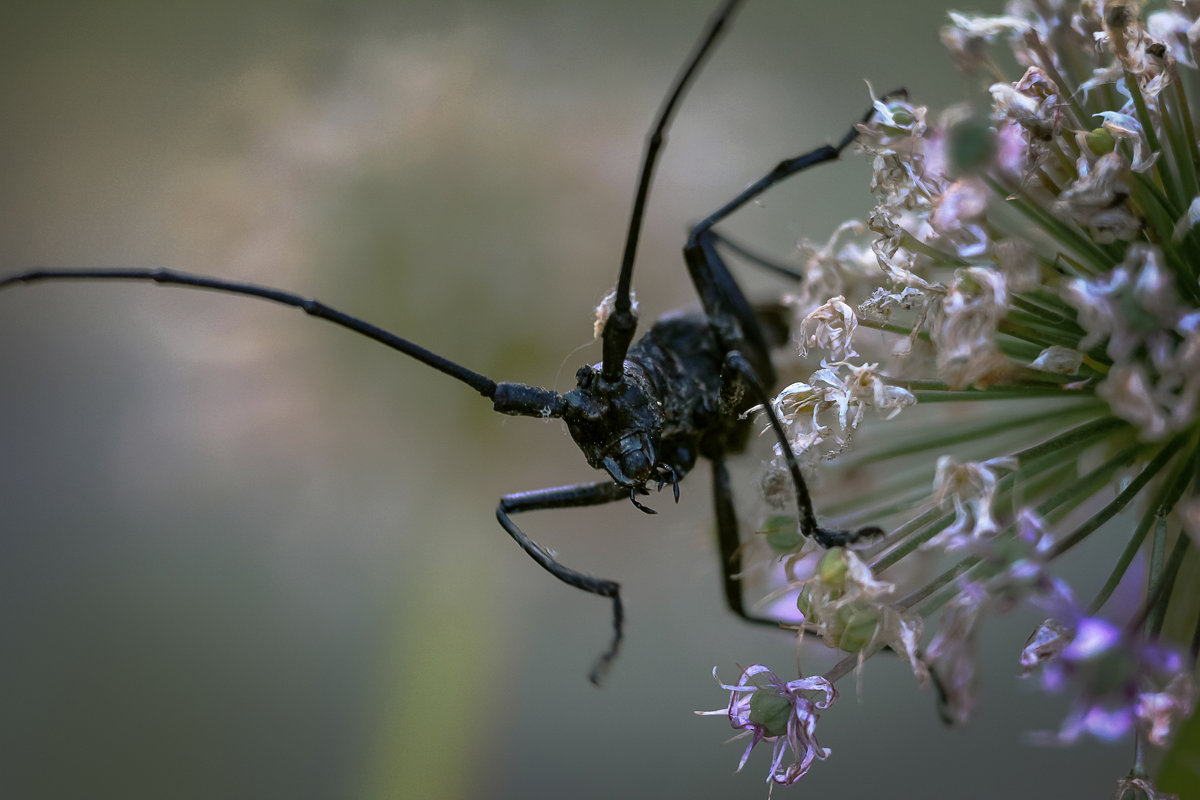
[578, 496]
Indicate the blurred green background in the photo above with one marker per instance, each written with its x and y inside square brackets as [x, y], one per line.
[245, 554]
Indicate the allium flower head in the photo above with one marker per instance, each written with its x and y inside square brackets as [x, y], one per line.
[1029, 340]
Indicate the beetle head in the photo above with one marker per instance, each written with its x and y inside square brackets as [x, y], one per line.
[617, 426]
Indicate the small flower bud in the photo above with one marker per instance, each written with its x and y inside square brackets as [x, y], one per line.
[1100, 141]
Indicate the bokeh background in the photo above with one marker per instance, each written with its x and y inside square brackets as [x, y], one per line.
[245, 554]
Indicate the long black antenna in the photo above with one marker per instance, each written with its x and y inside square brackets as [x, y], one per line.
[621, 324]
[168, 277]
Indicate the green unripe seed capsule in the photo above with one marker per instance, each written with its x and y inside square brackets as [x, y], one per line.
[782, 534]
[831, 569]
[1100, 141]
[807, 605]
[902, 117]
[859, 624]
[770, 711]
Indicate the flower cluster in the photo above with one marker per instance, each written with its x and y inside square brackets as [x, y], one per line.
[1021, 311]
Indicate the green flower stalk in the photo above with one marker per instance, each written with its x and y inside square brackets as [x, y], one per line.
[1010, 365]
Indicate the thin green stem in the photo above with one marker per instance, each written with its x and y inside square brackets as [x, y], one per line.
[889, 327]
[1158, 549]
[1073, 439]
[1053, 319]
[1127, 556]
[1037, 480]
[1033, 329]
[1188, 155]
[918, 531]
[1179, 253]
[963, 434]
[937, 392]
[1046, 299]
[937, 583]
[903, 489]
[940, 258]
[1160, 594]
[1023, 352]
[1067, 234]
[1123, 499]
[1071, 496]
[1143, 114]
[872, 508]
[1153, 207]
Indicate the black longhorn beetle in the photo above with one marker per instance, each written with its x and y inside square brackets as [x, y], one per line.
[653, 406]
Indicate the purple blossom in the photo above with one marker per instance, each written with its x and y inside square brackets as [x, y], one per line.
[766, 709]
[1120, 680]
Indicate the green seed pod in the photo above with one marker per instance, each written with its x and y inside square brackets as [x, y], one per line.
[770, 711]
[1100, 141]
[804, 603]
[782, 534]
[831, 569]
[902, 117]
[859, 623]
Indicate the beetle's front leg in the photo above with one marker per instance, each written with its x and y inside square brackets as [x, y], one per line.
[577, 496]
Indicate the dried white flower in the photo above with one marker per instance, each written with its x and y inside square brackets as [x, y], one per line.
[830, 328]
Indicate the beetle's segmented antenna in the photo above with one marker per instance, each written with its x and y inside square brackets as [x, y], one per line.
[169, 277]
[508, 398]
[619, 329]
[517, 399]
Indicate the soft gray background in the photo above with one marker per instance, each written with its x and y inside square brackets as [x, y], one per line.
[244, 554]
